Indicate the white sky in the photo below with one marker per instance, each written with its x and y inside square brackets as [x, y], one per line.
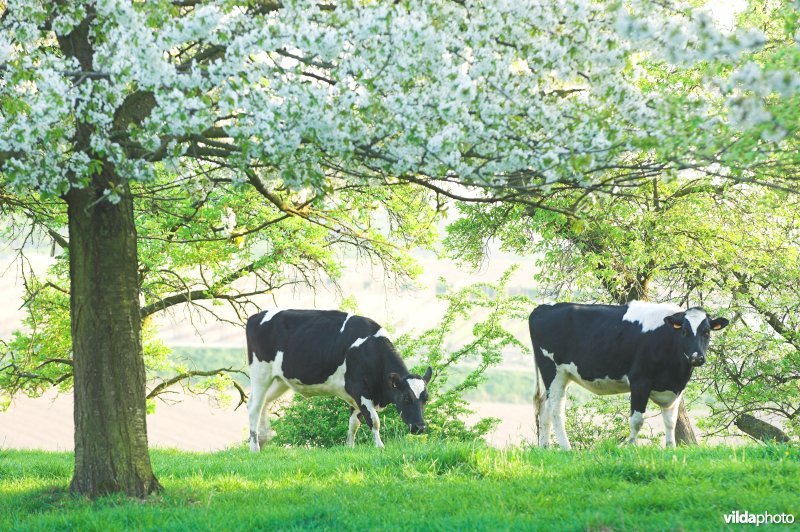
[724, 11]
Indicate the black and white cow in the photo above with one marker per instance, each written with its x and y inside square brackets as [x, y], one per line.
[328, 352]
[647, 349]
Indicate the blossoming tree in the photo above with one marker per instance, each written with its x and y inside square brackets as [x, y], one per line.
[480, 102]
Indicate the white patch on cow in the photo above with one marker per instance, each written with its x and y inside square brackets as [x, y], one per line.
[333, 385]
[603, 386]
[359, 342]
[380, 333]
[376, 421]
[260, 371]
[571, 371]
[637, 420]
[649, 315]
[417, 386]
[349, 315]
[548, 354]
[695, 317]
[664, 399]
[269, 314]
[277, 365]
[607, 385]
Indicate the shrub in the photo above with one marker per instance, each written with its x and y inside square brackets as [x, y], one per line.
[482, 308]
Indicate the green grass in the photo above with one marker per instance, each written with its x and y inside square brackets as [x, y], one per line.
[414, 485]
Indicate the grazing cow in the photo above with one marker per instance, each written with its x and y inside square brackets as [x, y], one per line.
[647, 349]
[328, 352]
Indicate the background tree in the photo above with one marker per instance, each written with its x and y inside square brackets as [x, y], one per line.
[647, 232]
[731, 249]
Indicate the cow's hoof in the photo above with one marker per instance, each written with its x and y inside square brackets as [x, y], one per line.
[254, 447]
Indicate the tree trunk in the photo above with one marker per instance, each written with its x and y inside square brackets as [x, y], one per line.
[111, 453]
[760, 430]
[684, 433]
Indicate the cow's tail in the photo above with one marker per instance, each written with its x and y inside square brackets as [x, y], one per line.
[249, 332]
[538, 385]
[538, 396]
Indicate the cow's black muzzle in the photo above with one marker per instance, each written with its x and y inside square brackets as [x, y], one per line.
[697, 360]
[417, 428]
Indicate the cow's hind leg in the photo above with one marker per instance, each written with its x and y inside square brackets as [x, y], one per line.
[260, 380]
[557, 401]
[275, 390]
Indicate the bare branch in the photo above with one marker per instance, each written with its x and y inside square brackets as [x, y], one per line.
[160, 388]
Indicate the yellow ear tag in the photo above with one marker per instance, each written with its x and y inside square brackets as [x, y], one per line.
[716, 327]
[677, 326]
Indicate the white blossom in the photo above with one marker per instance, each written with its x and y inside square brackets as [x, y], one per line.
[433, 87]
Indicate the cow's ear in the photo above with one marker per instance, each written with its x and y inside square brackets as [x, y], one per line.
[394, 380]
[719, 323]
[676, 320]
[428, 375]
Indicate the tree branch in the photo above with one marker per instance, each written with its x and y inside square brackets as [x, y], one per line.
[201, 294]
[160, 388]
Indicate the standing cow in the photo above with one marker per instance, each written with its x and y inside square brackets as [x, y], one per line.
[647, 349]
[328, 352]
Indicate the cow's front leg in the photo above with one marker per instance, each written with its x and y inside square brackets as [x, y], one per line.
[670, 414]
[372, 420]
[640, 393]
[353, 427]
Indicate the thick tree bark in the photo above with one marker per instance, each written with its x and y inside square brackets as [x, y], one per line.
[760, 430]
[111, 453]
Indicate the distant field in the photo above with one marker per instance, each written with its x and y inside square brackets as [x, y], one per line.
[501, 386]
[416, 486]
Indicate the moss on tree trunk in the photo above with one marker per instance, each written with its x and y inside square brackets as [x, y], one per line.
[111, 453]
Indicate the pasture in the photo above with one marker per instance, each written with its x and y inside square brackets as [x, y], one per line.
[416, 485]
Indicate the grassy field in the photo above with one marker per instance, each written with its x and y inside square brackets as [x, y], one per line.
[416, 486]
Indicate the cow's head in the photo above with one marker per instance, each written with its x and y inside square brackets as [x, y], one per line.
[409, 395]
[694, 327]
